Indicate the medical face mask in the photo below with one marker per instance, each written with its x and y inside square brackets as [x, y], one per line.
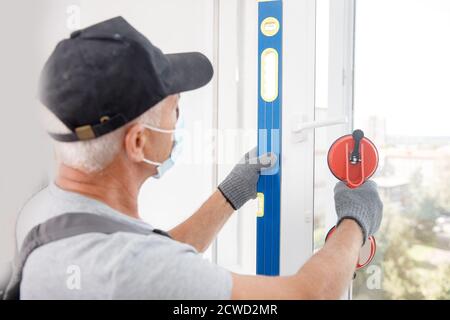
[162, 167]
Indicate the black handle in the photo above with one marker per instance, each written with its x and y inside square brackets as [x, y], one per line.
[355, 156]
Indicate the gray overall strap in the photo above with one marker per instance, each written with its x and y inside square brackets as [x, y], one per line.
[65, 226]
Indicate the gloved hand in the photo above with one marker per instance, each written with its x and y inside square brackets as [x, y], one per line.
[361, 204]
[240, 185]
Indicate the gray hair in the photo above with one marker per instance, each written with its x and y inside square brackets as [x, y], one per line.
[94, 155]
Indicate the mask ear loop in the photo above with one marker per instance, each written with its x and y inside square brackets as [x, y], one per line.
[157, 130]
[152, 162]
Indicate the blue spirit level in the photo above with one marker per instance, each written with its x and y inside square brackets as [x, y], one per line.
[269, 134]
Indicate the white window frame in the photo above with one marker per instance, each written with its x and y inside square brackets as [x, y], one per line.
[341, 73]
[236, 104]
[297, 180]
[297, 204]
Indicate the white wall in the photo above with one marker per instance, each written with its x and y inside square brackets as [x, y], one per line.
[26, 158]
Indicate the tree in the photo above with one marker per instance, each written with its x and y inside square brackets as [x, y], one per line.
[443, 185]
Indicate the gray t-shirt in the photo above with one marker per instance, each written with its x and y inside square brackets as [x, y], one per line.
[118, 266]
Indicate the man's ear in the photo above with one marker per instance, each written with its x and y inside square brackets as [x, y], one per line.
[135, 140]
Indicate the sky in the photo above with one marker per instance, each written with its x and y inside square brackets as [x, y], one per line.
[402, 65]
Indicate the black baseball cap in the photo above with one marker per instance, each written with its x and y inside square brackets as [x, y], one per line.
[108, 74]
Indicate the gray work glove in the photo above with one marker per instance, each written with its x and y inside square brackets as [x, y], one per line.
[240, 185]
[361, 204]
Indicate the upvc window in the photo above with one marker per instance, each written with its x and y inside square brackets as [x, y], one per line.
[402, 76]
[378, 65]
[397, 51]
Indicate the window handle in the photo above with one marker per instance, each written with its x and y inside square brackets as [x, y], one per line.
[300, 129]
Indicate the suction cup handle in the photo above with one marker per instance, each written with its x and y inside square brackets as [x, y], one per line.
[355, 157]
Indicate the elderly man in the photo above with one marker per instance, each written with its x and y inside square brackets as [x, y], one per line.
[112, 100]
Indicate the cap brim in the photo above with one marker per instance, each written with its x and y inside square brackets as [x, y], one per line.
[189, 71]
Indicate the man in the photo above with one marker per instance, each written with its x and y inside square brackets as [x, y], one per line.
[113, 102]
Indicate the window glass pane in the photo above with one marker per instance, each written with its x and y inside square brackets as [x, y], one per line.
[402, 98]
[237, 123]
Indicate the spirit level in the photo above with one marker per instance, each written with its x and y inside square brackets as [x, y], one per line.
[269, 135]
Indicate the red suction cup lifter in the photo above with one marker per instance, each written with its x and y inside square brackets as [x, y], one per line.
[353, 159]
